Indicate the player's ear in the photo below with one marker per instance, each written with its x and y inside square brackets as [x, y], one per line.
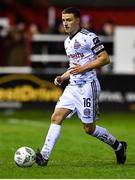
[78, 20]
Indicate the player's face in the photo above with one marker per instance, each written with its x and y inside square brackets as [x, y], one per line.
[70, 23]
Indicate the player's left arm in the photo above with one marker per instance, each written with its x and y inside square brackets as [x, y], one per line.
[101, 59]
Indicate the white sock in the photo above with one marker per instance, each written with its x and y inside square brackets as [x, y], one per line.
[103, 135]
[51, 139]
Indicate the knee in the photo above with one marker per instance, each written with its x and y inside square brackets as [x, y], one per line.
[89, 128]
[56, 118]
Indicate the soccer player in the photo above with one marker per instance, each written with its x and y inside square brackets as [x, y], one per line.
[86, 53]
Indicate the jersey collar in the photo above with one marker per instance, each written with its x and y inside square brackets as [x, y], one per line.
[71, 36]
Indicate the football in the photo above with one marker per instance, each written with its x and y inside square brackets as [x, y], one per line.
[24, 157]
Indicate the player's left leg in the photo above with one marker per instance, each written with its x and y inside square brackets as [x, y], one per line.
[89, 113]
[103, 135]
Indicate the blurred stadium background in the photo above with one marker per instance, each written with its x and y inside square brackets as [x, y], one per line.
[32, 54]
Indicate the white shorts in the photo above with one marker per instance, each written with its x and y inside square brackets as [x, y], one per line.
[82, 99]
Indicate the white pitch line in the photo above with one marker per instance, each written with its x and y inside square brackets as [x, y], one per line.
[25, 122]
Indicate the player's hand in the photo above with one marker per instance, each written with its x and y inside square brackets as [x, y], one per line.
[58, 81]
[76, 69]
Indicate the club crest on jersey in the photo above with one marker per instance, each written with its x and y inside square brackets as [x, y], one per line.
[86, 112]
[77, 45]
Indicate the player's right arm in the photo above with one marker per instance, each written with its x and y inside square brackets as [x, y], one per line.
[60, 79]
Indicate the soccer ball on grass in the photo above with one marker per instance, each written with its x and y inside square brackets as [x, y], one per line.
[24, 157]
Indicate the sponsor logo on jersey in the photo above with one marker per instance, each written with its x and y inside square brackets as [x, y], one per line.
[76, 55]
[96, 40]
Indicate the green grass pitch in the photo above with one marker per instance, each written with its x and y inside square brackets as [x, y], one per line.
[76, 155]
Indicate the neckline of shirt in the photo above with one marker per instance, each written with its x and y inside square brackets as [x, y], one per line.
[71, 36]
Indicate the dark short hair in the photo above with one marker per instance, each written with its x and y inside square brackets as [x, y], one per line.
[72, 10]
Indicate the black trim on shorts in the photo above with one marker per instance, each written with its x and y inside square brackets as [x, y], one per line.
[94, 92]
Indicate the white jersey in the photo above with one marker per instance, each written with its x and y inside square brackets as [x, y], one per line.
[82, 48]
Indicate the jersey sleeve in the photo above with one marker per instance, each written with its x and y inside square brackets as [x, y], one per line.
[95, 44]
[65, 44]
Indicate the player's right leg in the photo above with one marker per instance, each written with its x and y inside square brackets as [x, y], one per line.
[52, 136]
